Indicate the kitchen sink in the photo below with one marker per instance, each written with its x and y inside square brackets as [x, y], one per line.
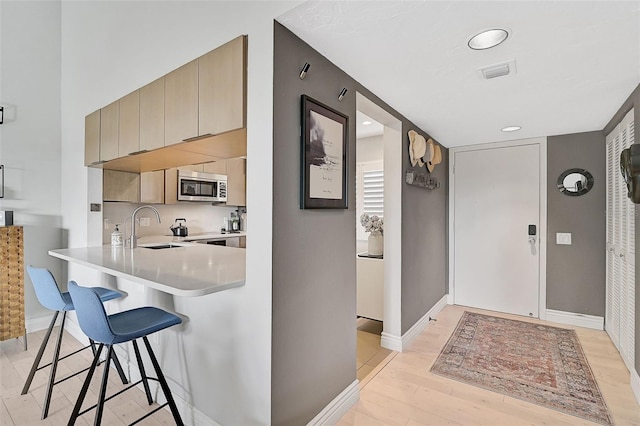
[160, 246]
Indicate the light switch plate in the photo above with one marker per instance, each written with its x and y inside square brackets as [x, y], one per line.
[145, 221]
[563, 238]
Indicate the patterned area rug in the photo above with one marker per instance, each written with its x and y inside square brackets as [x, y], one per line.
[536, 363]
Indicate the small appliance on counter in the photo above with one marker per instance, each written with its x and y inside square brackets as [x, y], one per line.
[234, 223]
[243, 221]
[6, 217]
[116, 237]
[179, 228]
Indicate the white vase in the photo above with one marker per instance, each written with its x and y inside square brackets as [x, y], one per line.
[376, 244]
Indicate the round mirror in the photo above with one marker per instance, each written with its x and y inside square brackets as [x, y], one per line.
[575, 182]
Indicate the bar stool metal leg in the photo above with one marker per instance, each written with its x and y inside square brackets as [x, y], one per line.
[85, 387]
[36, 362]
[54, 368]
[103, 388]
[163, 384]
[143, 373]
[116, 363]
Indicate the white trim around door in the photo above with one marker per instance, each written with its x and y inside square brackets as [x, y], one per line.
[542, 233]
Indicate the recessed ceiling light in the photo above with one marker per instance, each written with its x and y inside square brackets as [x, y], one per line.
[511, 128]
[366, 123]
[488, 39]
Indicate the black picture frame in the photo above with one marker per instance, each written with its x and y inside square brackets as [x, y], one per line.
[324, 147]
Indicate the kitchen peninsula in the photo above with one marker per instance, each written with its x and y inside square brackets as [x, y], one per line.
[181, 268]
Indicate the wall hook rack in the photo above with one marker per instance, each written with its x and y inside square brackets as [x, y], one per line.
[421, 179]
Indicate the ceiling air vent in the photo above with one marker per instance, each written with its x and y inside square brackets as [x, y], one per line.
[497, 70]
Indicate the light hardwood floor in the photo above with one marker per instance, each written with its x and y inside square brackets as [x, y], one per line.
[398, 390]
[369, 353]
[25, 410]
[404, 392]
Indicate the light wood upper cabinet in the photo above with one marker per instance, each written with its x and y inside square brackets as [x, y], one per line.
[194, 114]
[152, 115]
[221, 88]
[216, 167]
[152, 187]
[236, 182]
[109, 118]
[171, 186]
[181, 104]
[92, 138]
[120, 186]
[129, 124]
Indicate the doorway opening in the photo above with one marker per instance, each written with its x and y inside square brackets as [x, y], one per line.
[378, 155]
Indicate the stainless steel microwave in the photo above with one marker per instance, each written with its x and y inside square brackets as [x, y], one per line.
[198, 186]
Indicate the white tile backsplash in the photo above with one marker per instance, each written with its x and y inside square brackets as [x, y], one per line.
[200, 218]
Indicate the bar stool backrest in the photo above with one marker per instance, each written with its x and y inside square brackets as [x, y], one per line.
[91, 314]
[47, 290]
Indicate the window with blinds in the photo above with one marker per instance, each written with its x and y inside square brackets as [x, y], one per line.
[369, 193]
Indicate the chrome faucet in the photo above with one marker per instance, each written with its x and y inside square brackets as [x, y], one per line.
[133, 240]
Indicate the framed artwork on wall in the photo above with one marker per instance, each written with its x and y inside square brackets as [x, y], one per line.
[323, 171]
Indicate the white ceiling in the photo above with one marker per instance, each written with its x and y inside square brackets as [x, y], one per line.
[367, 130]
[576, 61]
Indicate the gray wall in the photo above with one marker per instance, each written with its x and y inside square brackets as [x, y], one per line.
[314, 267]
[633, 101]
[424, 241]
[576, 272]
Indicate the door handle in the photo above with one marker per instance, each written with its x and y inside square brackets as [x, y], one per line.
[532, 234]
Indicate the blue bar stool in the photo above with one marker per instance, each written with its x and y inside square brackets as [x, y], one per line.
[109, 330]
[50, 296]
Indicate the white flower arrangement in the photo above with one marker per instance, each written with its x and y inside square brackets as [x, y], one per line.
[372, 223]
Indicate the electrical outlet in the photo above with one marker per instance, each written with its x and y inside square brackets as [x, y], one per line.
[106, 224]
[145, 221]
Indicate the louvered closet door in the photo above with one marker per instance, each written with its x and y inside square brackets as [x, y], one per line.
[620, 313]
[612, 315]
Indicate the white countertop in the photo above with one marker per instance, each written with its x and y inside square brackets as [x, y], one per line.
[191, 270]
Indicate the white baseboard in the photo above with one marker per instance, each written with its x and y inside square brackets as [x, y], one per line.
[39, 323]
[338, 407]
[635, 384]
[391, 341]
[400, 344]
[449, 299]
[571, 318]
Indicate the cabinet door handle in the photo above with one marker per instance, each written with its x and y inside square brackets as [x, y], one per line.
[1, 114]
[142, 151]
[195, 138]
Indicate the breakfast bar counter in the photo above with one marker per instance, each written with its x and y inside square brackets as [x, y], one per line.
[187, 270]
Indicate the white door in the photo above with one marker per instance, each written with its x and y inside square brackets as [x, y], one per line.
[496, 199]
